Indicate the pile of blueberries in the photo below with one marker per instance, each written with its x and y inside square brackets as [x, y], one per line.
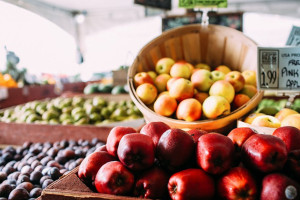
[25, 171]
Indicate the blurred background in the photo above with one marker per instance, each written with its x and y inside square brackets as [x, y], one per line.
[80, 38]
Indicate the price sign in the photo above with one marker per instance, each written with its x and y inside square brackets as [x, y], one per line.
[294, 37]
[203, 3]
[279, 68]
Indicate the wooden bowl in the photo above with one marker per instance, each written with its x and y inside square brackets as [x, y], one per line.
[211, 44]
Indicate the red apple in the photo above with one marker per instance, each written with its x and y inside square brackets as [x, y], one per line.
[265, 153]
[142, 77]
[290, 136]
[114, 138]
[91, 164]
[114, 178]
[174, 148]
[237, 183]
[215, 153]
[292, 166]
[154, 130]
[152, 184]
[136, 151]
[240, 135]
[191, 184]
[101, 148]
[196, 133]
[279, 187]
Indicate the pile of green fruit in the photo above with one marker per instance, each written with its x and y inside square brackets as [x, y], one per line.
[93, 88]
[271, 106]
[75, 110]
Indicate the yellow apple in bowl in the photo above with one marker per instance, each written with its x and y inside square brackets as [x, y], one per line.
[222, 88]
[147, 92]
[266, 121]
[152, 74]
[163, 65]
[284, 112]
[189, 110]
[202, 80]
[291, 120]
[236, 79]
[223, 68]
[165, 105]
[249, 90]
[215, 106]
[181, 89]
[202, 66]
[250, 77]
[181, 69]
[201, 96]
[161, 82]
[217, 75]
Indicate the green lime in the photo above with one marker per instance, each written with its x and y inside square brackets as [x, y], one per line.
[78, 101]
[77, 110]
[105, 88]
[270, 110]
[118, 89]
[50, 114]
[95, 117]
[82, 121]
[91, 89]
[99, 102]
[32, 118]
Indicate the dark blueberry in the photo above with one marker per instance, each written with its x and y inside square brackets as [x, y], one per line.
[35, 177]
[3, 176]
[46, 183]
[7, 156]
[5, 189]
[44, 178]
[14, 176]
[23, 178]
[8, 170]
[26, 185]
[61, 159]
[54, 173]
[19, 194]
[26, 145]
[35, 192]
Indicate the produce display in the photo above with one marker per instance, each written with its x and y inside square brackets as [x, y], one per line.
[25, 171]
[273, 113]
[179, 90]
[160, 162]
[94, 88]
[75, 110]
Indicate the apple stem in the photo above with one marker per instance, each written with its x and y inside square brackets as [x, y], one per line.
[174, 189]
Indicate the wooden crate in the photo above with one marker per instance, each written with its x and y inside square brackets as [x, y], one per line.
[70, 187]
[18, 133]
[211, 44]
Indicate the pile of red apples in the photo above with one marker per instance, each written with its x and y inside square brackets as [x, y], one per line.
[160, 162]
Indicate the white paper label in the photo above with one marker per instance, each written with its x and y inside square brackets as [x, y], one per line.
[294, 37]
[279, 68]
[3, 93]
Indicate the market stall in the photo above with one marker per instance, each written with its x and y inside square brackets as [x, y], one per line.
[199, 105]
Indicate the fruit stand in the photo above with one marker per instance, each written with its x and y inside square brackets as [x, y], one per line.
[195, 116]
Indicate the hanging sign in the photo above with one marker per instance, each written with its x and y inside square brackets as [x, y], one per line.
[203, 3]
[294, 37]
[279, 68]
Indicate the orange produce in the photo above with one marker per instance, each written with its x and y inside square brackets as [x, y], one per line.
[165, 105]
[189, 110]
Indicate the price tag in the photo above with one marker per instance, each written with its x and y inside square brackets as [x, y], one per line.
[203, 3]
[279, 68]
[294, 37]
